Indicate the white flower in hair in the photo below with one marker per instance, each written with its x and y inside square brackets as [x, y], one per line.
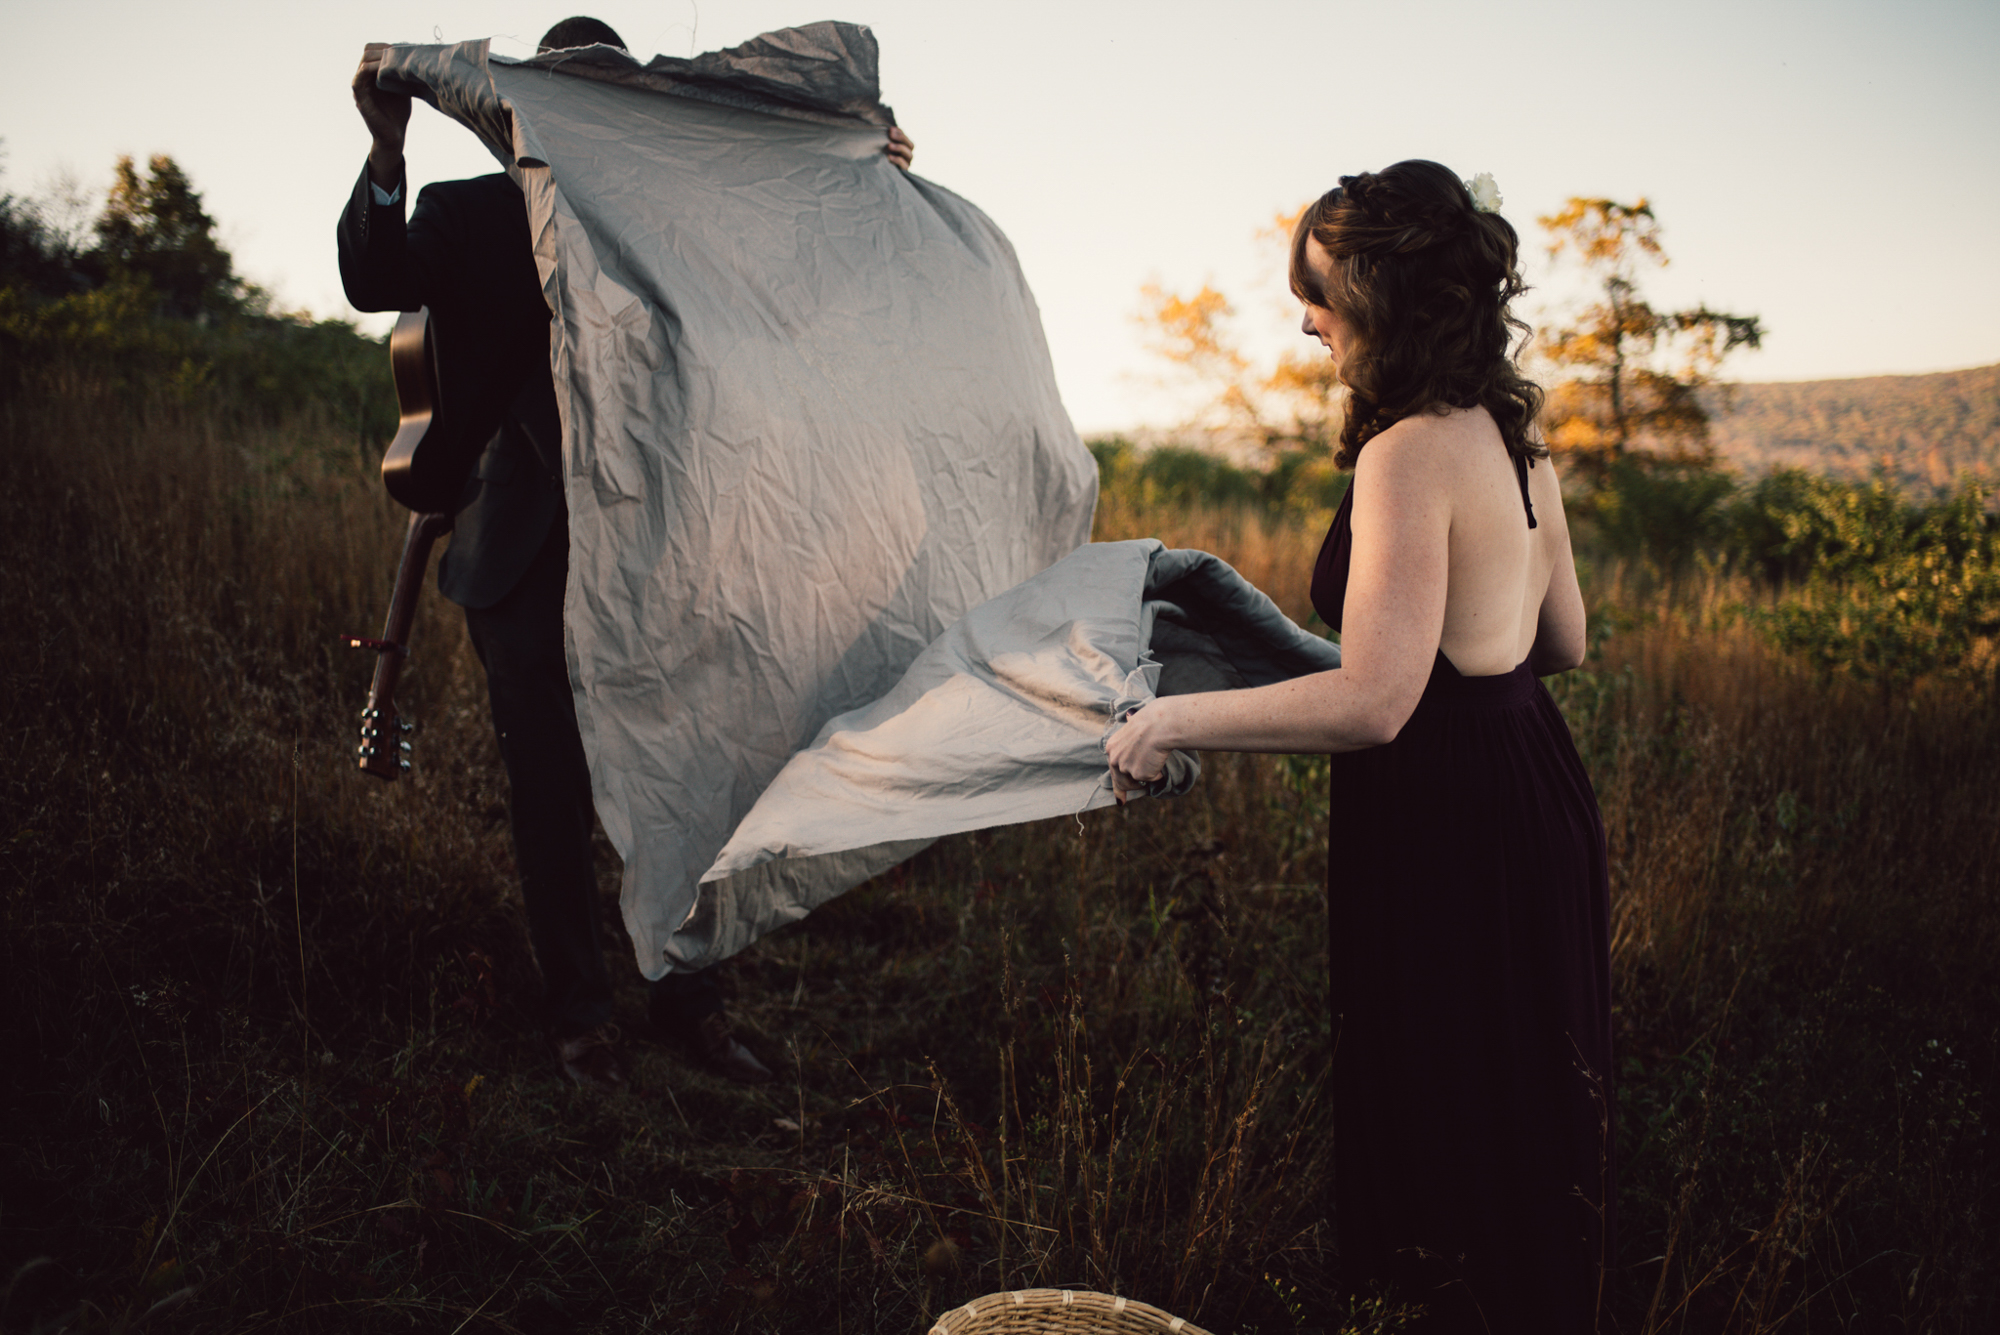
[1485, 193]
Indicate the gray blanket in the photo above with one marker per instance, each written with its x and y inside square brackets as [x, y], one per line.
[809, 418]
[1001, 720]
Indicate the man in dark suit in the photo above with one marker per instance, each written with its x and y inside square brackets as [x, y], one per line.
[465, 252]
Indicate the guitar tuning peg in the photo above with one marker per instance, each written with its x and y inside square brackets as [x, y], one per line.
[405, 766]
[405, 746]
[405, 727]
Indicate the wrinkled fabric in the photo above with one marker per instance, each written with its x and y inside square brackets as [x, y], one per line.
[1002, 719]
[808, 415]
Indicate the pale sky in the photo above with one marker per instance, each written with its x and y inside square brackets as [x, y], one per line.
[1832, 167]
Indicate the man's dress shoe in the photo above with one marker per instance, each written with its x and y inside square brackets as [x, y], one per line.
[687, 1008]
[591, 1059]
[715, 1043]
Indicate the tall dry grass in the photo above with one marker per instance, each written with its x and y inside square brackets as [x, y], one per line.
[1804, 924]
[272, 1063]
[1806, 909]
[1273, 550]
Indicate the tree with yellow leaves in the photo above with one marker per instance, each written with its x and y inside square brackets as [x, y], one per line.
[1290, 406]
[1633, 373]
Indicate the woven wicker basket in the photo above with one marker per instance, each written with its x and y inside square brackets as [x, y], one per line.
[1059, 1312]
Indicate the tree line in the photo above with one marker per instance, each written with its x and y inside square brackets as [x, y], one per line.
[147, 298]
[1866, 579]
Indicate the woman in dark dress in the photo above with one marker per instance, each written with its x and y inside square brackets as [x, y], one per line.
[1467, 885]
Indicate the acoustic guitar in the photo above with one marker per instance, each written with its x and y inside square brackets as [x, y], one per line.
[385, 747]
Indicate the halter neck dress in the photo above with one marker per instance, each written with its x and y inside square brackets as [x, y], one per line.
[1468, 916]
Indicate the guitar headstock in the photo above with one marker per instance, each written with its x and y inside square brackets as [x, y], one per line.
[384, 750]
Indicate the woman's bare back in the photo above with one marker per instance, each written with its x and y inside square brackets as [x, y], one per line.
[1504, 580]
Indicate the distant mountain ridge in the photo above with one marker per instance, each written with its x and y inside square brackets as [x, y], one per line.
[1926, 429]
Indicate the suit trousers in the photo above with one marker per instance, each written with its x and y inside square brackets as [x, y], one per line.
[520, 644]
[519, 641]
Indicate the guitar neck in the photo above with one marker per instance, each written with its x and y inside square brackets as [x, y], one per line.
[382, 747]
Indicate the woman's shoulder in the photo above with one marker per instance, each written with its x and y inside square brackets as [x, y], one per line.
[1431, 446]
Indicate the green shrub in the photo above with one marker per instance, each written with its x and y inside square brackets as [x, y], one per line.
[1182, 477]
[251, 367]
[1795, 526]
[1875, 586]
[1174, 475]
[1663, 512]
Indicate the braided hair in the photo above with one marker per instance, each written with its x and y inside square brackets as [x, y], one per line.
[1423, 278]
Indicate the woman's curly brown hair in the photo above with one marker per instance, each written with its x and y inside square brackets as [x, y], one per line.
[1423, 279]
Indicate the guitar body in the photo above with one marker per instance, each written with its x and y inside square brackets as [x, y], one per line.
[438, 440]
[417, 470]
[413, 363]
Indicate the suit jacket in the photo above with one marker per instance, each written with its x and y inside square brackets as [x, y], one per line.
[465, 252]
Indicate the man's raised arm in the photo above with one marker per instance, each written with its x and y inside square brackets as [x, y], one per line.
[375, 266]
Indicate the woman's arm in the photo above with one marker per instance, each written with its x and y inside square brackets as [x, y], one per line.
[1393, 619]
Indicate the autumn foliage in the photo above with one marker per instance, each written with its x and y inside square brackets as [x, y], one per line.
[1626, 376]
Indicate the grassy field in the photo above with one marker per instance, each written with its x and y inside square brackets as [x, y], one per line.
[268, 1065]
